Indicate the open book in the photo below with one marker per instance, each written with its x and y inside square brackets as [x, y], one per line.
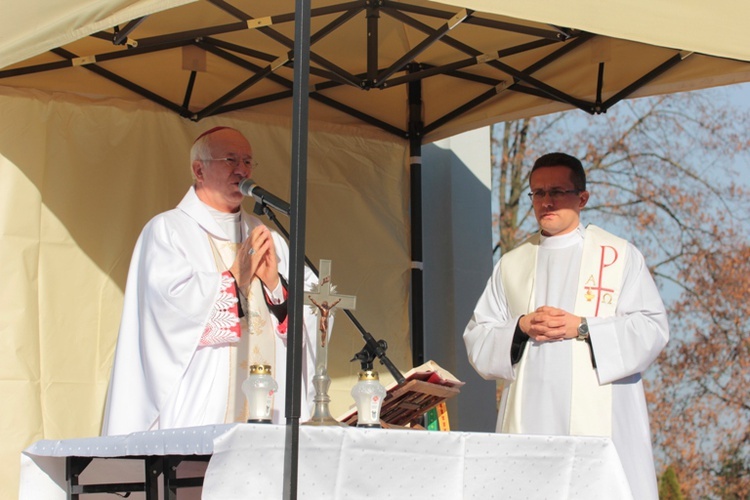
[425, 387]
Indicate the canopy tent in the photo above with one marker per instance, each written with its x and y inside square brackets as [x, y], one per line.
[385, 78]
[209, 57]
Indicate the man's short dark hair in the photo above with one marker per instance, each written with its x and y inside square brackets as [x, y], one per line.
[577, 174]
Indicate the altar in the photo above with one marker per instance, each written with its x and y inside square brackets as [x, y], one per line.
[246, 461]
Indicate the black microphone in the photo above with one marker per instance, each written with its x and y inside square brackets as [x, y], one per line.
[248, 187]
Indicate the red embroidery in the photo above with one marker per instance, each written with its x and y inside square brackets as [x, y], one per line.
[223, 324]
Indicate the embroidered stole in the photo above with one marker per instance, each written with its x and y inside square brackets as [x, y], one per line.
[597, 291]
[257, 344]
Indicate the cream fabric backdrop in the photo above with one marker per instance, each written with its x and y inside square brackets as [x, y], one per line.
[80, 177]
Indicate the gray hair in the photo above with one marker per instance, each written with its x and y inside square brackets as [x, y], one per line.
[201, 149]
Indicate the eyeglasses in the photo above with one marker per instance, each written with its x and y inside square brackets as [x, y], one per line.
[235, 162]
[555, 194]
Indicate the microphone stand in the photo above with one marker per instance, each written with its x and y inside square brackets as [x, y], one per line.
[377, 348]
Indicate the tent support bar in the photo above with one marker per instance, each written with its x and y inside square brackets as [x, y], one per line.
[125, 83]
[37, 68]
[410, 56]
[210, 41]
[451, 69]
[230, 9]
[624, 93]
[121, 36]
[531, 91]
[415, 152]
[557, 54]
[333, 25]
[140, 50]
[342, 74]
[287, 18]
[556, 94]
[547, 89]
[480, 99]
[358, 114]
[233, 47]
[599, 86]
[499, 25]
[191, 35]
[428, 30]
[67, 63]
[373, 15]
[254, 102]
[278, 37]
[217, 50]
[189, 89]
[319, 98]
[283, 81]
[208, 110]
[425, 72]
[215, 46]
[300, 105]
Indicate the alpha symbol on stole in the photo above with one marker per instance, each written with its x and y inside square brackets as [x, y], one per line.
[605, 295]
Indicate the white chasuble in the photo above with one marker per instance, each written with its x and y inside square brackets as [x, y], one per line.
[628, 331]
[162, 377]
[540, 274]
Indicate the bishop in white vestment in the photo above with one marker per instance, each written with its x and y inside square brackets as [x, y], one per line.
[569, 320]
[193, 322]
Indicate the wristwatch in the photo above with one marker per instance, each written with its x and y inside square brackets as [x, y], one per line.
[583, 330]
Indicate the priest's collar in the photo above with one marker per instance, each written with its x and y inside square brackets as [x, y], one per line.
[563, 240]
[228, 221]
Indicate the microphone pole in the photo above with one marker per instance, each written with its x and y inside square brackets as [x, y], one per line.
[373, 346]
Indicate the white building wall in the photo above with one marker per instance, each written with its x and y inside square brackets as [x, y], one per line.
[457, 254]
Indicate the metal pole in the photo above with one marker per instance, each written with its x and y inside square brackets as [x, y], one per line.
[300, 101]
[416, 126]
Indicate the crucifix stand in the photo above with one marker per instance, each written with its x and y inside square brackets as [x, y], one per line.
[326, 300]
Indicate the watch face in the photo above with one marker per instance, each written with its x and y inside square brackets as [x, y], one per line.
[583, 329]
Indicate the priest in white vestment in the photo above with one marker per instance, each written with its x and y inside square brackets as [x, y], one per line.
[205, 299]
[569, 320]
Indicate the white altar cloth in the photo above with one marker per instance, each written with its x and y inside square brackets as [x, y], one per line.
[349, 463]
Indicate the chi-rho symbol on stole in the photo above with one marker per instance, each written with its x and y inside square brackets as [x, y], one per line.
[594, 286]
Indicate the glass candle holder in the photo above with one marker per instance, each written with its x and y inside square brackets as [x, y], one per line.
[259, 388]
[368, 394]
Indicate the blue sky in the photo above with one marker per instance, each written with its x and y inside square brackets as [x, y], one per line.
[740, 95]
[740, 90]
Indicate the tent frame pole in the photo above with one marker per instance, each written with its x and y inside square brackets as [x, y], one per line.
[416, 126]
[300, 106]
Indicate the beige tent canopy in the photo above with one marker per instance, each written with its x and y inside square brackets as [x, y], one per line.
[100, 99]
[209, 57]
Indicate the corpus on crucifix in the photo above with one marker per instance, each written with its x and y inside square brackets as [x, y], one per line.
[326, 300]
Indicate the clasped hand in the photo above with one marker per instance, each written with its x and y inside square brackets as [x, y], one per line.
[256, 257]
[549, 323]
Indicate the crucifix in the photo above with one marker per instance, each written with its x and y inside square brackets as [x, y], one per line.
[326, 300]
